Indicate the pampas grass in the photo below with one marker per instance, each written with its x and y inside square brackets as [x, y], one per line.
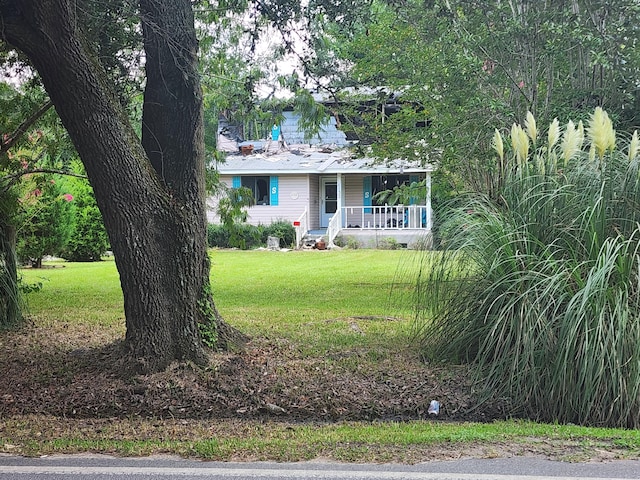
[538, 285]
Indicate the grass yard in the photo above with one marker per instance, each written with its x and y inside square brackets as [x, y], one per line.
[330, 349]
[87, 293]
[312, 298]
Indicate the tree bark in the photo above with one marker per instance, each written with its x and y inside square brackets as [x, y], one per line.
[150, 193]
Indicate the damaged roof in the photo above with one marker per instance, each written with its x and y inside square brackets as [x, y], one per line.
[275, 157]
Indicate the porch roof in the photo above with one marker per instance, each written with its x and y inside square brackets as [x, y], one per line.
[297, 159]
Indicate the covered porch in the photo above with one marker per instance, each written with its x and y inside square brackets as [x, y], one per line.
[348, 209]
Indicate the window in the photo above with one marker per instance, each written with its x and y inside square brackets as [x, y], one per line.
[264, 188]
[381, 183]
[259, 186]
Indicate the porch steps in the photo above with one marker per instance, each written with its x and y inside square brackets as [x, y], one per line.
[309, 240]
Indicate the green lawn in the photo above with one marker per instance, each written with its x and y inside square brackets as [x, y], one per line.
[309, 299]
[304, 296]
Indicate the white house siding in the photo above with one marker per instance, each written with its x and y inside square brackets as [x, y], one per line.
[354, 196]
[353, 190]
[307, 190]
[293, 197]
[212, 203]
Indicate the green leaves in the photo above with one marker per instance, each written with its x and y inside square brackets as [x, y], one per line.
[46, 220]
[88, 241]
[469, 66]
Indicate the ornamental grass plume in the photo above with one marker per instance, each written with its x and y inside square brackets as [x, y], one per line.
[532, 129]
[572, 141]
[554, 133]
[581, 129]
[634, 146]
[520, 144]
[498, 144]
[601, 132]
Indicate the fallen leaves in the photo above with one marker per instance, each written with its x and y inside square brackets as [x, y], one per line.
[67, 375]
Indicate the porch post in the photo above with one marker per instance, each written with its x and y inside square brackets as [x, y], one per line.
[428, 201]
[339, 195]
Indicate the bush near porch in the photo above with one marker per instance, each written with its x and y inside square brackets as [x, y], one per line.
[253, 236]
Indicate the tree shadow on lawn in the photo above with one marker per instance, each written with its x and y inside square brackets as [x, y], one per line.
[75, 371]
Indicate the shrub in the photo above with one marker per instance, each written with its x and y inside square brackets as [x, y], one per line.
[217, 236]
[232, 208]
[46, 220]
[89, 240]
[347, 242]
[539, 285]
[282, 229]
[389, 244]
[244, 236]
[251, 236]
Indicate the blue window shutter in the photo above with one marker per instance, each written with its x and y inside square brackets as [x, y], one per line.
[236, 182]
[273, 188]
[366, 193]
[413, 179]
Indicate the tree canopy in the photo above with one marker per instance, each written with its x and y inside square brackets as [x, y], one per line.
[469, 66]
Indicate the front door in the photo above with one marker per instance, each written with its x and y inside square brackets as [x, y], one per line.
[328, 200]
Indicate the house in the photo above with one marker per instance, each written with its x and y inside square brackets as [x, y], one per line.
[323, 189]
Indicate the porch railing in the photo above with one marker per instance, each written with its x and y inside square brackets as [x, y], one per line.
[397, 217]
[302, 227]
[333, 229]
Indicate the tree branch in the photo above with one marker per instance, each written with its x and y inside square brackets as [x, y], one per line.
[9, 180]
[23, 127]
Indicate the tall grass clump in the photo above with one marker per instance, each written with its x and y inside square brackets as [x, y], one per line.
[538, 285]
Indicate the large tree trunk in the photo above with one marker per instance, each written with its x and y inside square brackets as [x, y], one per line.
[151, 194]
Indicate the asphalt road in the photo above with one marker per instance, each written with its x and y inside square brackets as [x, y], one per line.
[84, 467]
